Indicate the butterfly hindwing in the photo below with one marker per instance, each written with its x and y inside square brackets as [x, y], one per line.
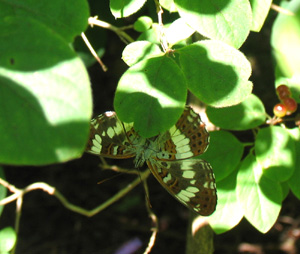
[186, 139]
[191, 181]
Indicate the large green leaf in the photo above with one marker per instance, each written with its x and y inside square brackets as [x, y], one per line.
[45, 93]
[152, 94]
[227, 21]
[228, 211]
[62, 18]
[216, 73]
[275, 151]
[285, 40]
[247, 115]
[259, 196]
[224, 153]
[260, 10]
[293, 182]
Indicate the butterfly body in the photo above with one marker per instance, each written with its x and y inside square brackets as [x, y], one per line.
[168, 155]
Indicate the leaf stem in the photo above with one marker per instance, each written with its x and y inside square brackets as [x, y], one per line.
[119, 31]
[248, 144]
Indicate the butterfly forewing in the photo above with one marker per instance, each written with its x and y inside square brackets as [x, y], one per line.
[190, 181]
[108, 137]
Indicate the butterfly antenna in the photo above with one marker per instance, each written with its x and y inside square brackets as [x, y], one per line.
[108, 179]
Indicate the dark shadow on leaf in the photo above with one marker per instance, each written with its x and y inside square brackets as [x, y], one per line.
[41, 50]
[269, 138]
[270, 189]
[238, 117]
[148, 114]
[203, 7]
[152, 94]
[209, 80]
[27, 136]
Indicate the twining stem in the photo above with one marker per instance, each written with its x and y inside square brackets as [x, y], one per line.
[52, 191]
[18, 195]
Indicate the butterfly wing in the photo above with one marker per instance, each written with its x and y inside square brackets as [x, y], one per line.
[191, 181]
[186, 139]
[109, 137]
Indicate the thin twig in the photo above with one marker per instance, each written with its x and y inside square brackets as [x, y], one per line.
[123, 36]
[93, 52]
[116, 197]
[162, 35]
[18, 195]
[118, 169]
[154, 219]
[52, 191]
[282, 10]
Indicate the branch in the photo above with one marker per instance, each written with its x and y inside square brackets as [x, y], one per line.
[154, 219]
[19, 193]
[119, 31]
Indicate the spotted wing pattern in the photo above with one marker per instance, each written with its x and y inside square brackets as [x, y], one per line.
[191, 181]
[186, 139]
[108, 137]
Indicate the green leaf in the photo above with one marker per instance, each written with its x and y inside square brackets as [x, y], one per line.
[260, 10]
[224, 153]
[151, 35]
[293, 182]
[229, 211]
[227, 21]
[259, 196]
[139, 50]
[275, 151]
[8, 239]
[125, 8]
[216, 73]
[62, 18]
[168, 5]
[247, 115]
[142, 24]
[152, 94]
[285, 40]
[285, 189]
[3, 190]
[178, 31]
[45, 96]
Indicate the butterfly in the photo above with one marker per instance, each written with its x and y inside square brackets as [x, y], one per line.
[168, 155]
